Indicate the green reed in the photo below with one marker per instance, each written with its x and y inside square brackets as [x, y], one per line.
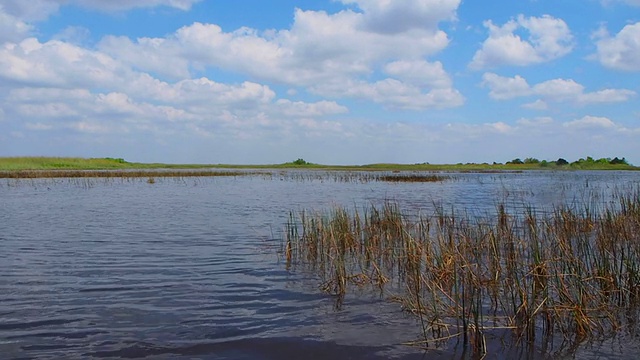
[571, 273]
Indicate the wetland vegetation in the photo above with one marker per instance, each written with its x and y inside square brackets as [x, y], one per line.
[12, 164]
[552, 279]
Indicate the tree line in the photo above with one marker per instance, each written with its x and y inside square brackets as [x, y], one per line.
[561, 162]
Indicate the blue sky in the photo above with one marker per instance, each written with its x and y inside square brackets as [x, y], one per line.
[333, 82]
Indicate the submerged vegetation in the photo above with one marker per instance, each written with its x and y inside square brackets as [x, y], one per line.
[564, 276]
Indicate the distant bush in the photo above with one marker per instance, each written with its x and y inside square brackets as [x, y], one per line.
[118, 160]
[300, 162]
[589, 162]
[515, 161]
[582, 161]
[531, 161]
[616, 161]
[561, 162]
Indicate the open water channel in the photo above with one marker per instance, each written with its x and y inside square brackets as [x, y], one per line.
[191, 268]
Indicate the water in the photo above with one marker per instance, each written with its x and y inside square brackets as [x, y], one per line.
[190, 268]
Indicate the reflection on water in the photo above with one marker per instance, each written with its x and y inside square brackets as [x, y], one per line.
[189, 268]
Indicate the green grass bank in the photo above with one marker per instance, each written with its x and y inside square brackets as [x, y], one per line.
[11, 164]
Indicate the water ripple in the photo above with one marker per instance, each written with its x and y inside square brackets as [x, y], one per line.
[173, 270]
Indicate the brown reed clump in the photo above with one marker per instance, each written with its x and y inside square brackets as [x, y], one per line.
[362, 176]
[411, 178]
[571, 274]
[320, 176]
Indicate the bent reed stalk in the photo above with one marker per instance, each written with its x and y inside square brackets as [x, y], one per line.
[568, 273]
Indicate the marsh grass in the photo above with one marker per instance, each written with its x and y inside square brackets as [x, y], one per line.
[571, 273]
[68, 163]
[414, 177]
[361, 176]
[49, 163]
[51, 174]
[90, 178]
[84, 177]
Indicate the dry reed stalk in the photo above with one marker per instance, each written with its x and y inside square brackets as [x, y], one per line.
[567, 274]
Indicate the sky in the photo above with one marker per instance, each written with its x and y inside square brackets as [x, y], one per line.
[329, 81]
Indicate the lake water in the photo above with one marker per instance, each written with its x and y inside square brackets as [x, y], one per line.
[191, 268]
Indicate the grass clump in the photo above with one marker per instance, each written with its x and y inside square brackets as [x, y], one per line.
[571, 274]
[412, 178]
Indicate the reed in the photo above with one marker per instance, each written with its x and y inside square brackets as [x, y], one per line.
[412, 178]
[320, 176]
[54, 174]
[361, 176]
[571, 274]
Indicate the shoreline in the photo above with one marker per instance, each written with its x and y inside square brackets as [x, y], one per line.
[33, 167]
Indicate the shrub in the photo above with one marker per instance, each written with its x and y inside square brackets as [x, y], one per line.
[118, 160]
[616, 161]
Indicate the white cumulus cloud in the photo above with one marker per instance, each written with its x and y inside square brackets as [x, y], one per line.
[12, 29]
[548, 38]
[622, 51]
[319, 52]
[591, 122]
[303, 109]
[392, 17]
[503, 88]
[420, 73]
[57, 63]
[392, 93]
[120, 5]
[536, 105]
[35, 10]
[56, 85]
[555, 90]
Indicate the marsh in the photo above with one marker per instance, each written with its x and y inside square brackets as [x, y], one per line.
[193, 267]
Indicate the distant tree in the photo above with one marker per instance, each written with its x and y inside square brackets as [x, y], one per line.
[531, 161]
[561, 162]
[544, 163]
[515, 161]
[616, 161]
[118, 160]
[300, 162]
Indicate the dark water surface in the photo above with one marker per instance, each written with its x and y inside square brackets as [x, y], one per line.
[190, 268]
